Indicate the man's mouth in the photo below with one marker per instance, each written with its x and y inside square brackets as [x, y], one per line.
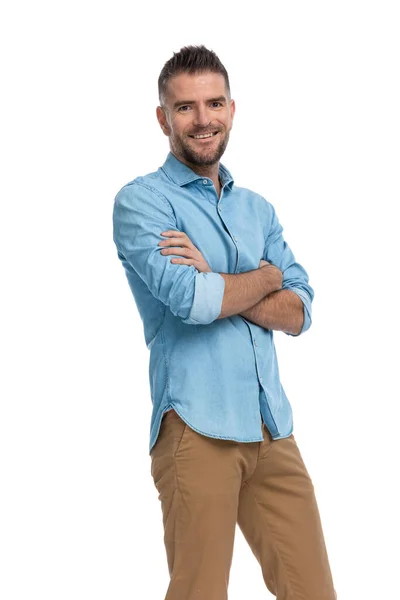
[202, 136]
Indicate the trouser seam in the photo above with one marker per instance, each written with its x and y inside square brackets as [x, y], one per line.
[257, 461]
[273, 540]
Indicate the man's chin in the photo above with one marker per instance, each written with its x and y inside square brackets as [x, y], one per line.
[203, 159]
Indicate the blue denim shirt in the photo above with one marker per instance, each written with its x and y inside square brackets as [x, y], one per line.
[220, 375]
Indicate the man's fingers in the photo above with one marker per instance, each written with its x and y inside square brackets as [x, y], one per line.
[173, 232]
[181, 251]
[177, 241]
[183, 261]
[174, 241]
[263, 263]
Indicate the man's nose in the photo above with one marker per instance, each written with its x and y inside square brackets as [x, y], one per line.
[202, 117]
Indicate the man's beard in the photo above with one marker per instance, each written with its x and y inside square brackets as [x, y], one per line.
[201, 159]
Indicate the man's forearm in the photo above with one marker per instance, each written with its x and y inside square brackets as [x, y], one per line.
[244, 290]
[281, 310]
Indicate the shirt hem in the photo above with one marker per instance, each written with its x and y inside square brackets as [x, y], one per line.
[211, 435]
[282, 437]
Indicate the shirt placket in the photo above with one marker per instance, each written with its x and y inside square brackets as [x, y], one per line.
[234, 238]
[256, 348]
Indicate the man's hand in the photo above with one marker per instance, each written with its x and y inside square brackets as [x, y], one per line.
[281, 310]
[274, 270]
[190, 254]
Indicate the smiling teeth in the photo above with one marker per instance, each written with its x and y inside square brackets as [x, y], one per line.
[206, 135]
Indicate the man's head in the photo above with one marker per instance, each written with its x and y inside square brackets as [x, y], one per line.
[195, 101]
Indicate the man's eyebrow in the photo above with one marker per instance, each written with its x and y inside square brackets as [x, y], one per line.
[185, 102]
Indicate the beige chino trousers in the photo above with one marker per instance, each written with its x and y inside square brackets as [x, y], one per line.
[207, 485]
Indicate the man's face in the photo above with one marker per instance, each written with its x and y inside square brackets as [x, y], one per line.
[197, 105]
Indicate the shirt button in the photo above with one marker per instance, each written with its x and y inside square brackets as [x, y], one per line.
[255, 343]
[205, 181]
[260, 379]
[235, 238]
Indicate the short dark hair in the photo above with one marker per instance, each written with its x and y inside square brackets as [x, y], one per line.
[190, 59]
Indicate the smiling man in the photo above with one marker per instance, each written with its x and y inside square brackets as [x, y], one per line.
[213, 278]
[197, 115]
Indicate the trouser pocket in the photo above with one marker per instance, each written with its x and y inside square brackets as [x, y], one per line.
[170, 437]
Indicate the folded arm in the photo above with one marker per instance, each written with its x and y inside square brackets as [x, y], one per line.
[281, 310]
[246, 290]
[276, 296]
[288, 309]
[140, 215]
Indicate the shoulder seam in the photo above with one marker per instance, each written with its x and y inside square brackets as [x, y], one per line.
[156, 193]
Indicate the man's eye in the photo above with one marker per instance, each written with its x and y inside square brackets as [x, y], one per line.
[216, 104]
[183, 108]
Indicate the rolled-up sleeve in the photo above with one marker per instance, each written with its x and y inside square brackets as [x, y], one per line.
[140, 214]
[207, 301]
[295, 277]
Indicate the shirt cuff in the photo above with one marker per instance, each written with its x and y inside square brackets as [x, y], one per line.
[306, 310]
[207, 301]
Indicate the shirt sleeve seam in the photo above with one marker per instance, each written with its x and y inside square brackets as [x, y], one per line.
[156, 193]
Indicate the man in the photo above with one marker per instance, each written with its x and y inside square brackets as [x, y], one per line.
[212, 278]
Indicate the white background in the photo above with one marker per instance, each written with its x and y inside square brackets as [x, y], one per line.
[317, 133]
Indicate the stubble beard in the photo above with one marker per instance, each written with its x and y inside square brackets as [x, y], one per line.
[201, 159]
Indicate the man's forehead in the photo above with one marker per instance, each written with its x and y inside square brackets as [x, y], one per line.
[195, 83]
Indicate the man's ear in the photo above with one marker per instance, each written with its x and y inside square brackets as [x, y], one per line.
[162, 119]
[233, 108]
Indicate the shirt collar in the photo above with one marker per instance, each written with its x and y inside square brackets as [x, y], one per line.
[181, 174]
